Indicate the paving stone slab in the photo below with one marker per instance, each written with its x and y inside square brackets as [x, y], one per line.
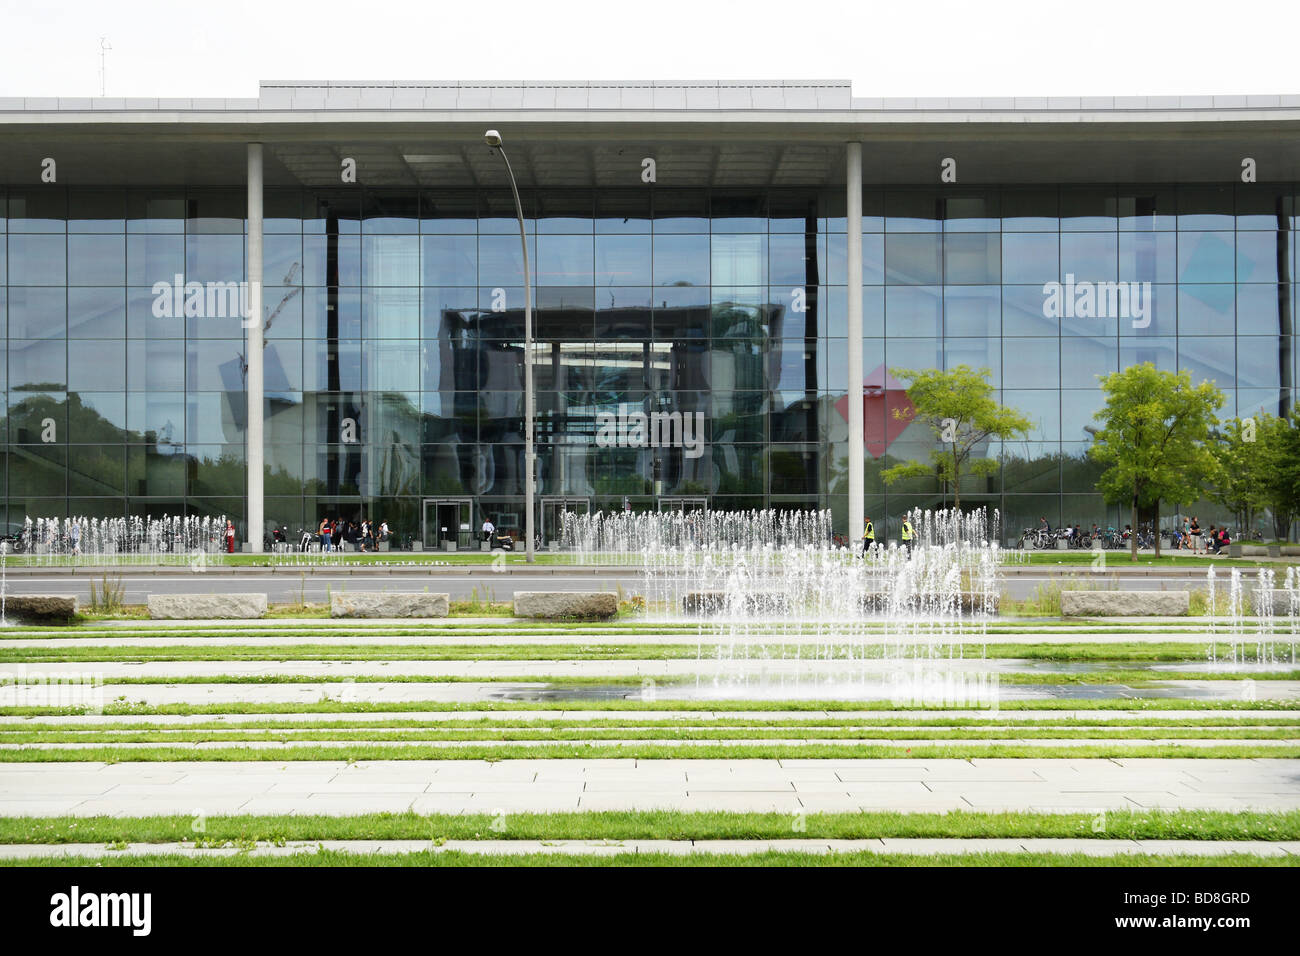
[270, 787]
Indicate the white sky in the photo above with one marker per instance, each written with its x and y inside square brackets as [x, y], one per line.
[899, 48]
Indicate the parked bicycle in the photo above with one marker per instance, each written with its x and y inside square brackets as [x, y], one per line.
[1036, 539]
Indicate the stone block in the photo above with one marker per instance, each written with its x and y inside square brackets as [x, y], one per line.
[566, 604]
[389, 604]
[41, 608]
[1124, 603]
[716, 602]
[1257, 600]
[204, 607]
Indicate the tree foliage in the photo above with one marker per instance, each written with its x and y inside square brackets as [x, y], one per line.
[1240, 479]
[959, 407]
[1277, 442]
[1155, 439]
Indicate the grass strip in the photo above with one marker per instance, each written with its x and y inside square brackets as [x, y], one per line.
[124, 708]
[333, 859]
[661, 825]
[1128, 652]
[1129, 678]
[493, 734]
[633, 751]
[994, 721]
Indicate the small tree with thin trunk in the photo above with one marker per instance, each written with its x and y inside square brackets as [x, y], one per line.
[1278, 441]
[1155, 439]
[1239, 484]
[959, 407]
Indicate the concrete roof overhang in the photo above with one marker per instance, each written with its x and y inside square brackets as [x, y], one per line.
[150, 143]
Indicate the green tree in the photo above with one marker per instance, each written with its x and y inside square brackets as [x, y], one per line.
[1277, 444]
[1155, 439]
[1239, 482]
[959, 407]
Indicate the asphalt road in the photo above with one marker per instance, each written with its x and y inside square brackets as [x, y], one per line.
[281, 588]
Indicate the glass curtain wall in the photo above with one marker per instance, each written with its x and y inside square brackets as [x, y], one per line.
[688, 343]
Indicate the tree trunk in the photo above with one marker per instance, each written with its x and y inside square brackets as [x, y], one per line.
[1133, 538]
[1155, 526]
[956, 481]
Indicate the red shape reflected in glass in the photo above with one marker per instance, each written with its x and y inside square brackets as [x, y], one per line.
[883, 399]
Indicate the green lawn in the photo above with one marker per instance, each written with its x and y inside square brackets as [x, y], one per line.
[352, 753]
[1166, 652]
[435, 559]
[330, 706]
[659, 825]
[860, 733]
[1129, 678]
[1122, 559]
[295, 560]
[999, 720]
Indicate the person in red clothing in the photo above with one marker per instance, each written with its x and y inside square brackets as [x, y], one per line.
[230, 536]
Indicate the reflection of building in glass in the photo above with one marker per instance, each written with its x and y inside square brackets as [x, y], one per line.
[393, 359]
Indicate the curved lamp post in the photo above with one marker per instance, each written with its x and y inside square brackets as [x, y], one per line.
[493, 139]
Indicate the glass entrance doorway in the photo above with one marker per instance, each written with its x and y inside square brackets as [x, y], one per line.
[448, 524]
[553, 512]
[687, 505]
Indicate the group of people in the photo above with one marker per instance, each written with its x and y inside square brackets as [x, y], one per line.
[364, 535]
[906, 535]
[1192, 538]
[1189, 537]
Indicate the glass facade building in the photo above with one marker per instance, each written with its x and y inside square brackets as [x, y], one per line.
[690, 342]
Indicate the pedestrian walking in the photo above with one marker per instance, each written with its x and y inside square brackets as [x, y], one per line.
[230, 536]
[868, 537]
[326, 531]
[907, 534]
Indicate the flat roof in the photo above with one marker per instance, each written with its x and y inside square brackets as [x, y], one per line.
[594, 133]
[710, 96]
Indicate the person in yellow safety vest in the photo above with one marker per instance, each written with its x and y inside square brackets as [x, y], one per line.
[907, 535]
[868, 536]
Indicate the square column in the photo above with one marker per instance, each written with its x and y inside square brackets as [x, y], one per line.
[853, 223]
[253, 325]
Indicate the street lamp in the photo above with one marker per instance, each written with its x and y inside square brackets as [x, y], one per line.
[493, 139]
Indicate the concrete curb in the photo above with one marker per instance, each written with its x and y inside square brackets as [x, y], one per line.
[1082, 571]
[425, 570]
[889, 846]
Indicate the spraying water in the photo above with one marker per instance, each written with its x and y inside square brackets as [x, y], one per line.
[1258, 641]
[769, 576]
[52, 542]
[4, 583]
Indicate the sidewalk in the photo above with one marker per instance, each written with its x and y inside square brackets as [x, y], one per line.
[789, 785]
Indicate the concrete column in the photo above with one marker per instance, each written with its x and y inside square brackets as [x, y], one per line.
[253, 325]
[853, 223]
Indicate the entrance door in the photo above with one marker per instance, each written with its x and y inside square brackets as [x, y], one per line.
[553, 512]
[687, 505]
[448, 521]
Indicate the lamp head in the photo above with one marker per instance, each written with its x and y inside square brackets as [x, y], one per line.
[492, 138]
